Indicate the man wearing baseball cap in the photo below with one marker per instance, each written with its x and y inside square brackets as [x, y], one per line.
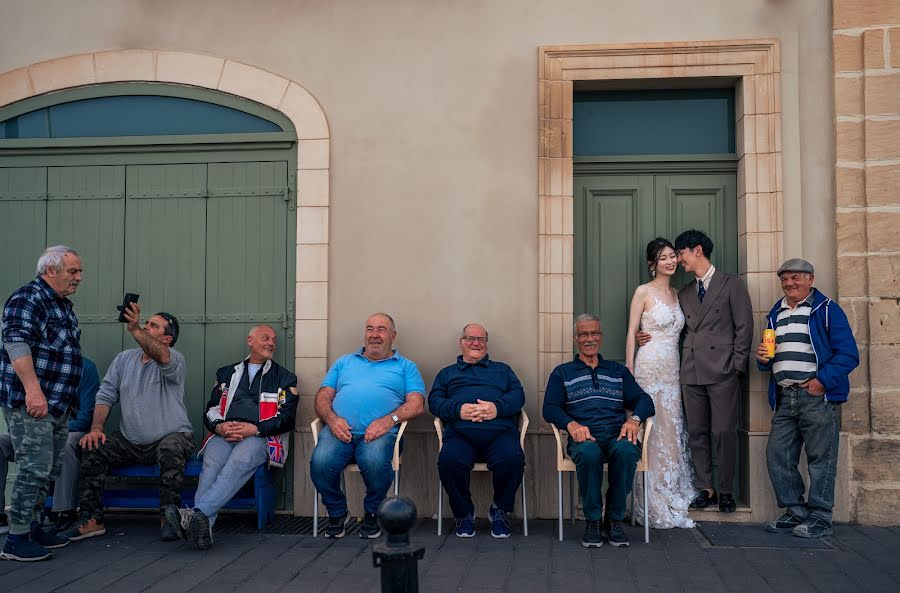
[814, 354]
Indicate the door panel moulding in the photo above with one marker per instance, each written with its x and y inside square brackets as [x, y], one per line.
[752, 67]
[238, 80]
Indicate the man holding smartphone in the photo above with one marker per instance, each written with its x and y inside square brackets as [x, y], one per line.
[148, 383]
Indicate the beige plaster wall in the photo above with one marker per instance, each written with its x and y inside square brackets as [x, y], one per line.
[432, 110]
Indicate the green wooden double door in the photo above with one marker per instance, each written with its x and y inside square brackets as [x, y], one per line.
[209, 242]
[616, 215]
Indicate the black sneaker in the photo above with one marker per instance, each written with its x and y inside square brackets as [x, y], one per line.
[178, 519]
[616, 535]
[592, 537]
[370, 528]
[727, 504]
[64, 521]
[47, 539]
[167, 532]
[704, 500]
[813, 527]
[336, 526]
[784, 523]
[200, 530]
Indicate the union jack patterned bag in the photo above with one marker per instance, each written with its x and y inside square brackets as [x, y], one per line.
[277, 445]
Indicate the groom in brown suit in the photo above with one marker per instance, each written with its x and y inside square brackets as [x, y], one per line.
[718, 332]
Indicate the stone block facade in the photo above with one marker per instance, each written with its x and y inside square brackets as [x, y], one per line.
[867, 179]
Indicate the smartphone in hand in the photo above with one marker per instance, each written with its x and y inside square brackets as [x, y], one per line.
[129, 298]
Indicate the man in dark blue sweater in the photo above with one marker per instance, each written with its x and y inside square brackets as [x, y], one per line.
[588, 397]
[478, 399]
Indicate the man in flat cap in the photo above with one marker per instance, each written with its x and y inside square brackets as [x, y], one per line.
[814, 354]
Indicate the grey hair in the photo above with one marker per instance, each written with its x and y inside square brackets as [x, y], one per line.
[388, 317]
[583, 318]
[261, 325]
[52, 259]
[468, 325]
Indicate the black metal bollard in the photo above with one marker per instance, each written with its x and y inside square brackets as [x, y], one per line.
[397, 557]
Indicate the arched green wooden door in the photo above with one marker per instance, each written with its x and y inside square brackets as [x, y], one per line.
[200, 225]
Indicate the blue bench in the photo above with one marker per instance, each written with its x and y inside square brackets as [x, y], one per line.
[262, 497]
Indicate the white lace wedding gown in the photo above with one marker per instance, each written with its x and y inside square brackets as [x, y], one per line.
[656, 369]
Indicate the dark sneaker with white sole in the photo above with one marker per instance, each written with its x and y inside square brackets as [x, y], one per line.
[465, 526]
[784, 523]
[615, 535]
[813, 527]
[499, 522]
[592, 537]
[22, 549]
[336, 527]
[370, 528]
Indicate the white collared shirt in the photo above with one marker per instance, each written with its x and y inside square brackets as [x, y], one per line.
[706, 278]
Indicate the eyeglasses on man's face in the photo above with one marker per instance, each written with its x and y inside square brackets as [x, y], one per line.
[474, 339]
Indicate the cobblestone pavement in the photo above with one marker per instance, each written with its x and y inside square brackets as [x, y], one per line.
[131, 558]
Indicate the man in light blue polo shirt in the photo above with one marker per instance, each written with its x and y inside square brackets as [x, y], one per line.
[362, 400]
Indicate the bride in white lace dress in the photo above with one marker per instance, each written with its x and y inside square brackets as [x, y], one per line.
[655, 310]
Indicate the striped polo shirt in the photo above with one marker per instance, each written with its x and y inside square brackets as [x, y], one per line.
[795, 359]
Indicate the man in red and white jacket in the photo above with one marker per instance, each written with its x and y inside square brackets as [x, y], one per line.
[250, 415]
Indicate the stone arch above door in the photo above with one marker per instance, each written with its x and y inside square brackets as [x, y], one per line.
[255, 84]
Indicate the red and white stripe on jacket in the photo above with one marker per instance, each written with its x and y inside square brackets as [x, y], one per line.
[276, 445]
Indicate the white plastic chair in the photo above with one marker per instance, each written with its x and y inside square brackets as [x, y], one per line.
[565, 464]
[316, 426]
[482, 467]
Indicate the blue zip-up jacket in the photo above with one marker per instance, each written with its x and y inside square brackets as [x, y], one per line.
[834, 346]
[87, 394]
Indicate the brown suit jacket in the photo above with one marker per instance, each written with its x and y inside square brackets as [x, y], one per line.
[717, 333]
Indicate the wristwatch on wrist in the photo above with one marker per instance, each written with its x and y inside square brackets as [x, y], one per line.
[636, 418]
[258, 433]
[395, 419]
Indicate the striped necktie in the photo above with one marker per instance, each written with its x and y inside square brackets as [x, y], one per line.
[701, 290]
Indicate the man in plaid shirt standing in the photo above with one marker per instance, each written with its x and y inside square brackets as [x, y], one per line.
[40, 368]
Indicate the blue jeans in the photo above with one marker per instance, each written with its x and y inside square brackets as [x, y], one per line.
[804, 420]
[226, 468]
[589, 457]
[65, 489]
[332, 455]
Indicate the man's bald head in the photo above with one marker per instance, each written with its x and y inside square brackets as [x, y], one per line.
[261, 341]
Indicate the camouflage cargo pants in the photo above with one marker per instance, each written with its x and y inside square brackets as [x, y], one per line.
[170, 453]
[38, 443]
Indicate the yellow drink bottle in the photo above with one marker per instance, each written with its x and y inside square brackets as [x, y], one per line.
[769, 341]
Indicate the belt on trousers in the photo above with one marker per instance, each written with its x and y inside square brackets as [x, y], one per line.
[793, 388]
